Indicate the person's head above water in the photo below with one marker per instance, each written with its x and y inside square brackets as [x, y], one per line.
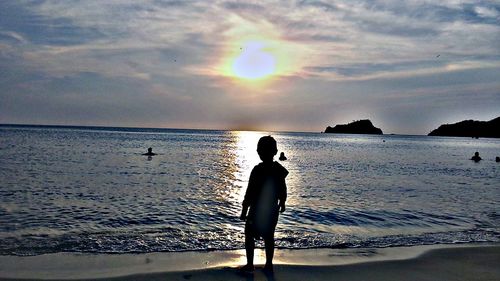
[476, 154]
[267, 148]
[150, 150]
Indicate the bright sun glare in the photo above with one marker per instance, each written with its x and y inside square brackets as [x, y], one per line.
[254, 62]
[256, 54]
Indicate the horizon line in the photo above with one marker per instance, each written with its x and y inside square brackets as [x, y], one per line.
[170, 128]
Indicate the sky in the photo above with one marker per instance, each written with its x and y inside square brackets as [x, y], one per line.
[408, 66]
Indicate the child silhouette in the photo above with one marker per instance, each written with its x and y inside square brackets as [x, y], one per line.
[265, 196]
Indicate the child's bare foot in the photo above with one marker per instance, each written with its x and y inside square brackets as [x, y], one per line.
[268, 267]
[247, 268]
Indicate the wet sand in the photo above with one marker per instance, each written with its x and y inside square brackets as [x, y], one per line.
[441, 262]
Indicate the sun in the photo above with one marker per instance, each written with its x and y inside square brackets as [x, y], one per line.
[257, 54]
[254, 62]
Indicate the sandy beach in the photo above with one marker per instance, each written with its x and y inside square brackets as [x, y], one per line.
[437, 262]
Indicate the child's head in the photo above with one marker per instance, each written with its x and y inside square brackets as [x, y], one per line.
[266, 148]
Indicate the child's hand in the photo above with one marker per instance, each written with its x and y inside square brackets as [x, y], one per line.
[282, 208]
[243, 216]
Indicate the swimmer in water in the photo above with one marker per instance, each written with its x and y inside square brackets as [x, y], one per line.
[476, 157]
[150, 152]
[282, 156]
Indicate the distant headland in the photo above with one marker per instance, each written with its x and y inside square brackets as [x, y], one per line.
[470, 128]
[356, 127]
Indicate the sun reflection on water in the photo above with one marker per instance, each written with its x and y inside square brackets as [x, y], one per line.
[246, 158]
[243, 150]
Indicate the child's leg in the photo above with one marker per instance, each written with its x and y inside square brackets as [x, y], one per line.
[269, 244]
[249, 243]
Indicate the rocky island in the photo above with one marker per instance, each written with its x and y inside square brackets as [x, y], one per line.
[356, 127]
[470, 128]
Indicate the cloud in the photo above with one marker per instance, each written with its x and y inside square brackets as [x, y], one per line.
[357, 32]
[168, 56]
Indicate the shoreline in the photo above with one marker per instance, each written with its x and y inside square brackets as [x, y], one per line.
[455, 260]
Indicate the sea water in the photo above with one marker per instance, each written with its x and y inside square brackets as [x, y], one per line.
[90, 189]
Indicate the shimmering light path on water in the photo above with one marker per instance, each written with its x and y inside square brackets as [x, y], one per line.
[91, 190]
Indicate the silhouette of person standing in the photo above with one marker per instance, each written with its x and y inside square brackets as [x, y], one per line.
[265, 196]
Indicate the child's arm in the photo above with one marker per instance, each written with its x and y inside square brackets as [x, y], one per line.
[283, 196]
[249, 196]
